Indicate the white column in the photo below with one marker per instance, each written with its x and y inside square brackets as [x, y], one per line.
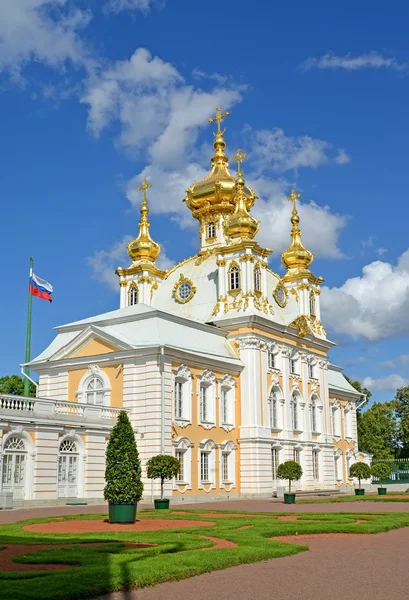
[250, 385]
[123, 290]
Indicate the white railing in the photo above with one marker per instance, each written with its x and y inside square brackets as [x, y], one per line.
[55, 409]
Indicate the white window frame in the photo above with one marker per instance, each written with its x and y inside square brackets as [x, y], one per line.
[227, 453]
[183, 446]
[297, 455]
[257, 279]
[296, 416]
[293, 365]
[316, 407]
[234, 278]
[271, 360]
[92, 372]
[133, 295]
[316, 467]
[336, 419]
[313, 307]
[207, 447]
[207, 382]
[183, 376]
[348, 422]
[275, 462]
[227, 390]
[211, 230]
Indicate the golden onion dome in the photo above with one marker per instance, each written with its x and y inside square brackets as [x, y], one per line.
[143, 248]
[215, 193]
[296, 257]
[240, 225]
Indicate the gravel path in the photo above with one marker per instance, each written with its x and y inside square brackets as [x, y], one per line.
[368, 567]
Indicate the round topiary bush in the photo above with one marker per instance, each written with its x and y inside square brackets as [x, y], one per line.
[360, 470]
[162, 466]
[290, 470]
[381, 471]
[123, 467]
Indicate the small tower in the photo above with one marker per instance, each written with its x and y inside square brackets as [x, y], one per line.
[299, 280]
[139, 281]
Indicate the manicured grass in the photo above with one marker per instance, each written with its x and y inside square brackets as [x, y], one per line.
[178, 553]
[353, 498]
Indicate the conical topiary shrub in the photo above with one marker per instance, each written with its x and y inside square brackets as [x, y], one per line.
[123, 487]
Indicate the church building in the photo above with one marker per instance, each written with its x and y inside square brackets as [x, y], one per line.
[219, 361]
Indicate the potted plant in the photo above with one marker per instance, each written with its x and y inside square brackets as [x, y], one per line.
[162, 466]
[123, 487]
[292, 471]
[381, 471]
[360, 470]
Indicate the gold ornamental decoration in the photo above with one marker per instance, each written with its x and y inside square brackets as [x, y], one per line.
[280, 295]
[183, 290]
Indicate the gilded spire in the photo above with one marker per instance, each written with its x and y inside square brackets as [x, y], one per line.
[219, 158]
[143, 248]
[240, 224]
[296, 258]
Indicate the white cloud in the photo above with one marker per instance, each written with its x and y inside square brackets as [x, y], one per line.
[404, 358]
[45, 31]
[373, 306]
[122, 5]
[381, 251]
[320, 227]
[368, 60]
[272, 149]
[103, 263]
[390, 382]
[388, 364]
[154, 107]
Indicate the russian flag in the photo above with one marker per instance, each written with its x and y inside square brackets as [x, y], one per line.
[40, 287]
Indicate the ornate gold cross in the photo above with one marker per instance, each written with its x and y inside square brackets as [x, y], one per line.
[145, 186]
[293, 197]
[219, 116]
[238, 158]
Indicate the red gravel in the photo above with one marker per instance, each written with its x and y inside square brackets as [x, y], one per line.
[218, 543]
[287, 518]
[96, 526]
[368, 567]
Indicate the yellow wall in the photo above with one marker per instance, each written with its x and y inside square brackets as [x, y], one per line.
[94, 347]
[114, 375]
[196, 433]
[342, 444]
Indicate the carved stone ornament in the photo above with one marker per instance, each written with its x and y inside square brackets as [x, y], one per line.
[182, 372]
[275, 380]
[94, 370]
[207, 377]
[183, 290]
[314, 388]
[249, 342]
[227, 381]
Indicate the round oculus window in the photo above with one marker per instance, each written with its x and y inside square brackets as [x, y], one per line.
[184, 290]
[281, 296]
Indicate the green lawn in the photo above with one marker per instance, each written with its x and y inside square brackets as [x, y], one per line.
[178, 553]
[368, 497]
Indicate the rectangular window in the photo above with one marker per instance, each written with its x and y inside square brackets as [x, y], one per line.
[203, 403]
[204, 467]
[297, 456]
[335, 430]
[310, 371]
[234, 278]
[293, 366]
[336, 463]
[346, 423]
[295, 415]
[225, 467]
[315, 465]
[274, 462]
[224, 406]
[273, 412]
[180, 457]
[271, 360]
[178, 400]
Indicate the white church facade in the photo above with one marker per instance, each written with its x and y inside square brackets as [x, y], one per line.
[219, 361]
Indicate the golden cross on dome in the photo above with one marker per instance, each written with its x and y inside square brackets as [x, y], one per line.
[145, 186]
[219, 116]
[293, 197]
[238, 158]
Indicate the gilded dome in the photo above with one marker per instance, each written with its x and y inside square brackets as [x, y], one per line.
[240, 224]
[143, 248]
[296, 257]
[215, 193]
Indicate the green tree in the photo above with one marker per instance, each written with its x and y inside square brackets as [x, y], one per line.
[381, 471]
[378, 430]
[162, 466]
[14, 384]
[360, 470]
[291, 470]
[401, 404]
[123, 467]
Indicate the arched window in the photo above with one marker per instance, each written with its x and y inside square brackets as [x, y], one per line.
[68, 446]
[95, 393]
[211, 230]
[227, 463]
[15, 443]
[133, 295]
[14, 466]
[234, 278]
[312, 304]
[257, 279]
[273, 410]
[314, 414]
[68, 469]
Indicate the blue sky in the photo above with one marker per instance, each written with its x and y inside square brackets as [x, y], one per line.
[96, 94]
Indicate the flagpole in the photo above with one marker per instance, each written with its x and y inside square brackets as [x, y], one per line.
[28, 334]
